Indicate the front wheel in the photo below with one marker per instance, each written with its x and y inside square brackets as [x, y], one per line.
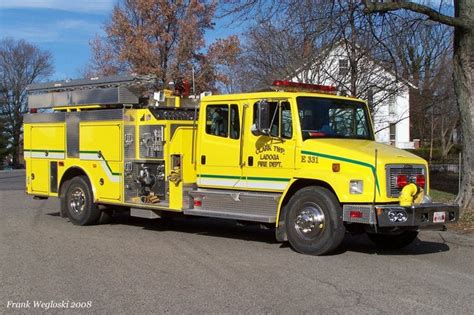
[79, 204]
[393, 241]
[314, 221]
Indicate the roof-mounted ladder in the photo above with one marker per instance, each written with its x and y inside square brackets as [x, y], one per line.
[100, 91]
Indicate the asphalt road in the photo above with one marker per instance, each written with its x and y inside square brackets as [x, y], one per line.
[214, 266]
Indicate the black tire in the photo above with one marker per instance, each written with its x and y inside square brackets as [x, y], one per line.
[393, 241]
[106, 216]
[62, 199]
[314, 221]
[79, 202]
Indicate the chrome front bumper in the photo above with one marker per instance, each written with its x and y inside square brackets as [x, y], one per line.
[429, 215]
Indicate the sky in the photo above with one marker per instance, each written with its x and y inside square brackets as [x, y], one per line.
[65, 27]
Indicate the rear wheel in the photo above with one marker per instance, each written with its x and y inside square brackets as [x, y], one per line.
[314, 221]
[393, 241]
[79, 205]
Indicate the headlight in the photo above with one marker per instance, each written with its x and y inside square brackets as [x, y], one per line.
[397, 216]
[356, 187]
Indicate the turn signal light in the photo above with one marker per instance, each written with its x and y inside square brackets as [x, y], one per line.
[420, 180]
[355, 214]
[402, 181]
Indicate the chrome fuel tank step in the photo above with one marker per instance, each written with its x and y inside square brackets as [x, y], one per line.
[232, 204]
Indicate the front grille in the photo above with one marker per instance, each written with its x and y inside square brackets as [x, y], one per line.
[393, 170]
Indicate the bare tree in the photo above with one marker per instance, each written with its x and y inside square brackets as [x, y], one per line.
[419, 55]
[446, 112]
[463, 23]
[3, 142]
[104, 60]
[222, 57]
[21, 64]
[308, 41]
[164, 38]
[153, 37]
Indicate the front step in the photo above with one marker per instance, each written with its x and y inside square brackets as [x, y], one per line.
[145, 213]
[235, 204]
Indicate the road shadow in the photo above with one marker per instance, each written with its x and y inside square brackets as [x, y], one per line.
[362, 244]
[231, 229]
[202, 226]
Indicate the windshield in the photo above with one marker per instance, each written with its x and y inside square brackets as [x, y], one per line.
[333, 118]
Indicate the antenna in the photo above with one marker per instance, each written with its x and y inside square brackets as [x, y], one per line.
[194, 85]
[375, 190]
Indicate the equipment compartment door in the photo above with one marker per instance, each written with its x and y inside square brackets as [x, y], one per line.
[218, 151]
[46, 143]
[270, 160]
[101, 149]
[39, 176]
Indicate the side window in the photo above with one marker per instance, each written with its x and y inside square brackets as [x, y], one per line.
[234, 122]
[274, 117]
[361, 125]
[217, 120]
[222, 122]
[280, 115]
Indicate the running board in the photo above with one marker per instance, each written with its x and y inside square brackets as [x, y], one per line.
[231, 215]
[234, 204]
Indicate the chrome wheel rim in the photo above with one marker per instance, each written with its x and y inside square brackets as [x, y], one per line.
[309, 222]
[77, 201]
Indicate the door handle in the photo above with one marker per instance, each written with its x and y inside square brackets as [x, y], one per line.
[203, 160]
[250, 161]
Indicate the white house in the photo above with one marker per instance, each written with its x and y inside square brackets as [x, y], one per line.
[388, 97]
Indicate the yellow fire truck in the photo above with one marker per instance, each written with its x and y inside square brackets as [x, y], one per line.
[298, 157]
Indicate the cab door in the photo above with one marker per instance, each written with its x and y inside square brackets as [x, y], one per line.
[269, 160]
[219, 146]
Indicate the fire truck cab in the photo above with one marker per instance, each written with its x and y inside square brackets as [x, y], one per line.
[299, 158]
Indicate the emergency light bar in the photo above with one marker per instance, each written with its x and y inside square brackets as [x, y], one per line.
[295, 86]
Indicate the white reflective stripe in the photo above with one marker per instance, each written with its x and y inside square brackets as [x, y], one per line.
[42, 155]
[224, 182]
[95, 157]
[231, 183]
[267, 184]
[113, 178]
[90, 156]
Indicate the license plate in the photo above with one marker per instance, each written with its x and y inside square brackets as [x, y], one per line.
[439, 217]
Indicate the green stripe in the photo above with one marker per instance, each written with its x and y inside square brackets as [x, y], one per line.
[108, 166]
[270, 179]
[343, 159]
[104, 159]
[219, 176]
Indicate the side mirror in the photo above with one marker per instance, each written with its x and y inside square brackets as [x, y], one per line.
[263, 119]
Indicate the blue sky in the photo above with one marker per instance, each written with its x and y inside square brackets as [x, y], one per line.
[65, 28]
